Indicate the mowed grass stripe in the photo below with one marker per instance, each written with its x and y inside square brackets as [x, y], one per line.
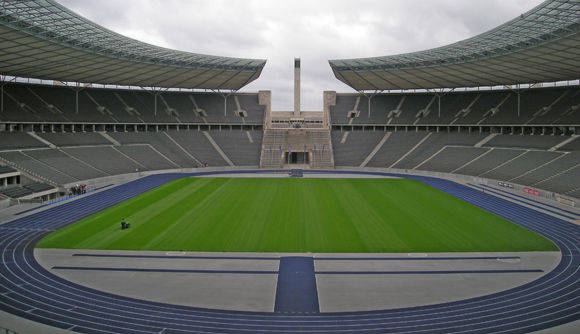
[297, 215]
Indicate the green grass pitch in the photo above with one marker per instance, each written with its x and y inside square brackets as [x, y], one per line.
[297, 215]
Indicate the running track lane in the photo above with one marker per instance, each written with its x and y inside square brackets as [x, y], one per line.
[29, 291]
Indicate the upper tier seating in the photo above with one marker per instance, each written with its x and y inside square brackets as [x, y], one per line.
[550, 105]
[41, 103]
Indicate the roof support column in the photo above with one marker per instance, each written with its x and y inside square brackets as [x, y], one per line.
[225, 96]
[2, 97]
[518, 91]
[439, 103]
[225, 106]
[438, 94]
[155, 91]
[369, 97]
[77, 89]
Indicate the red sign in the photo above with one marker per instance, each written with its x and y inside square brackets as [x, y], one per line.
[532, 191]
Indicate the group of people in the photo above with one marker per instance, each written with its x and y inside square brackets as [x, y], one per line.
[78, 189]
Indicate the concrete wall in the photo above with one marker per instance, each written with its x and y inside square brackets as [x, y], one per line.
[124, 178]
[265, 99]
[328, 100]
[4, 203]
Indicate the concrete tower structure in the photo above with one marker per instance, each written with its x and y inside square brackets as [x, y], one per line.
[296, 87]
[296, 139]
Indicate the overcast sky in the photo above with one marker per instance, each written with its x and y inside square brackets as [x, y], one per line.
[314, 30]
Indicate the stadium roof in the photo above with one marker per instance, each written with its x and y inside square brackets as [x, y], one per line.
[542, 45]
[43, 39]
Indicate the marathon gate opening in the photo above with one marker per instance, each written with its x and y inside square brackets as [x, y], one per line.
[297, 158]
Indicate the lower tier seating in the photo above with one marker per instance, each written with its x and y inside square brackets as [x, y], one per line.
[545, 161]
[541, 163]
[25, 190]
[71, 157]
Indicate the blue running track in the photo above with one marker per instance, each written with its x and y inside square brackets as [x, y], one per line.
[296, 287]
[29, 291]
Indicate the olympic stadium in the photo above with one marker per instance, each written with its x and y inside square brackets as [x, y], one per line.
[142, 192]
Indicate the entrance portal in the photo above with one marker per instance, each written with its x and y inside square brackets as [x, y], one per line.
[297, 158]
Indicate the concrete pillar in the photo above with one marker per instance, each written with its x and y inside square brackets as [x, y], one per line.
[329, 100]
[265, 99]
[296, 87]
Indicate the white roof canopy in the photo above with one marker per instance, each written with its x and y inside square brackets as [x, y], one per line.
[542, 45]
[42, 39]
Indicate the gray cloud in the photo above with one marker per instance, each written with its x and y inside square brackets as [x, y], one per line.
[313, 30]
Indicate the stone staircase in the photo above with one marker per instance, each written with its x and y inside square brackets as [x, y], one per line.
[278, 141]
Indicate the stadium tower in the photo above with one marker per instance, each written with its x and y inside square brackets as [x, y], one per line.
[296, 139]
[297, 87]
